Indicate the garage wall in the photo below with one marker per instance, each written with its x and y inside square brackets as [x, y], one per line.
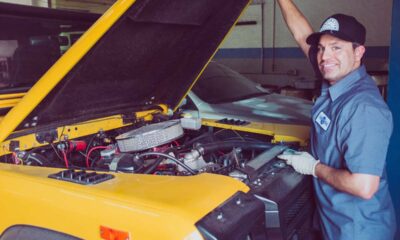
[26, 2]
[96, 6]
[266, 51]
[41, 3]
[262, 48]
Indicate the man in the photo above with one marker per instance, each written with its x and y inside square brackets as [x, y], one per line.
[351, 128]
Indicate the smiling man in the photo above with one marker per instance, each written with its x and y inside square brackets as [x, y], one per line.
[351, 128]
[339, 46]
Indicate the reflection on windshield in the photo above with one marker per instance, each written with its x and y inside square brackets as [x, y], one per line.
[24, 61]
[219, 84]
[29, 47]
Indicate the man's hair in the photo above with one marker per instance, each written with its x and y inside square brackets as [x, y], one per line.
[355, 45]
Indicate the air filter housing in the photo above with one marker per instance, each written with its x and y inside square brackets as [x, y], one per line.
[149, 136]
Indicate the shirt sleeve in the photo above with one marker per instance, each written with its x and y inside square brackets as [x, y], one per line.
[365, 139]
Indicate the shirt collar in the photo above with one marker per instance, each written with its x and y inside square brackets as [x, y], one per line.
[344, 85]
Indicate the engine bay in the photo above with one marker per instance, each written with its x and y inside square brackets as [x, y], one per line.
[175, 147]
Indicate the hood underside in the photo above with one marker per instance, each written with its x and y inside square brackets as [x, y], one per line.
[151, 55]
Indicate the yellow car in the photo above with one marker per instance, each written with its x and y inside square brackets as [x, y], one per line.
[96, 150]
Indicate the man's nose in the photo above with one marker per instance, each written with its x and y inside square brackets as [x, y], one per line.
[325, 54]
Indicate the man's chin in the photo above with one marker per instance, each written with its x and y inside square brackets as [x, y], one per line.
[331, 81]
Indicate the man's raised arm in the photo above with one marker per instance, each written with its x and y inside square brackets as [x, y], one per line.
[297, 23]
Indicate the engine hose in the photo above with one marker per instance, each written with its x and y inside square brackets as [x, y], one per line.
[191, 171]
[151, 169]
[198, 138]
[228, 145]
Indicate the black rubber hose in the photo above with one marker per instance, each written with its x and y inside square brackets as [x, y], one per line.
[151, 169]
[228, 145]
[191, 171]
[198, 138]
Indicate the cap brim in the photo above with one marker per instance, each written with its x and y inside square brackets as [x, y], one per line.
[313, 39]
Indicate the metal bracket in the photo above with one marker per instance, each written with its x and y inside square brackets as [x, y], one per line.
[129, 118]
[14, 145]
[47, 137]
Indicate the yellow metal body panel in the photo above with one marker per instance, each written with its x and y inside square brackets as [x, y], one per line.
[146, 206]
[10, 100]
[56, 73]
[6, 103]
[78, 130]
[279, 132]
[11, 95]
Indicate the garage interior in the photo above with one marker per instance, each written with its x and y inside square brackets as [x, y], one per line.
[261, 48]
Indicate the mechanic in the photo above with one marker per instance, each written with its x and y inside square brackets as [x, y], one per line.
[351, 128]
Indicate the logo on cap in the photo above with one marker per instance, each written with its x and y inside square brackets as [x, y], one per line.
[330, 24]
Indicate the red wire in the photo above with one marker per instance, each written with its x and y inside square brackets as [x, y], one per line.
[14, 157]
[90, 151]
[65, 158]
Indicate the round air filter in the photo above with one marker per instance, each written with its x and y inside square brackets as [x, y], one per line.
[149, 136]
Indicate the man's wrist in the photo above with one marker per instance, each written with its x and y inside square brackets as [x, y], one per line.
[314, 169]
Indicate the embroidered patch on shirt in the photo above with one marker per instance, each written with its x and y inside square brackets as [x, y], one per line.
[323, 120]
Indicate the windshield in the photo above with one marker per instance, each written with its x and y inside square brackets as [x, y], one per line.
[219, 84]
[31, 44]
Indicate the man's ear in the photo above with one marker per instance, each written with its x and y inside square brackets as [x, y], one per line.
[359, 52]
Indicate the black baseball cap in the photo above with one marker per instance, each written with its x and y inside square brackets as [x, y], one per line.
[341, 26]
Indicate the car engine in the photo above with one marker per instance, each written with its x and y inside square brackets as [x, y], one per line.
[182, 147]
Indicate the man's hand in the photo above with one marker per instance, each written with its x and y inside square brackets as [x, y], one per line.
[302, 162]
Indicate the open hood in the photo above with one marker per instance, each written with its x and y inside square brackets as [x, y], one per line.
[137, 55]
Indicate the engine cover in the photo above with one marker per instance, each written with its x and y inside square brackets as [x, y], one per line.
[288, 199]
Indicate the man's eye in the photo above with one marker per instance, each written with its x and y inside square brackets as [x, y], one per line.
[335, 48]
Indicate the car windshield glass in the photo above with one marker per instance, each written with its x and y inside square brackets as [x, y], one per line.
[30, 45]
[219, 84]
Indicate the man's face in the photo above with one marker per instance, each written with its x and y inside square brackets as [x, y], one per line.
[337, 58]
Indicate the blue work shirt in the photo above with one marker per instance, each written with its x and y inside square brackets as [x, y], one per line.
[351, 129]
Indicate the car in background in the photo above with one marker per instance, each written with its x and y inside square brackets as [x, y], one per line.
[67, 39]
[227, 96]
[222, 93]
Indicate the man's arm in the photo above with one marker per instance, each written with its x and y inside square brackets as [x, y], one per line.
[360, 185]
[357, 184]
[297, 23]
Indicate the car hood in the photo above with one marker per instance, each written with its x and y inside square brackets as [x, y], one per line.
[138, 55]
[272, 108]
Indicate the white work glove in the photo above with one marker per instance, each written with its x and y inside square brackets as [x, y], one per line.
[302, 162]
